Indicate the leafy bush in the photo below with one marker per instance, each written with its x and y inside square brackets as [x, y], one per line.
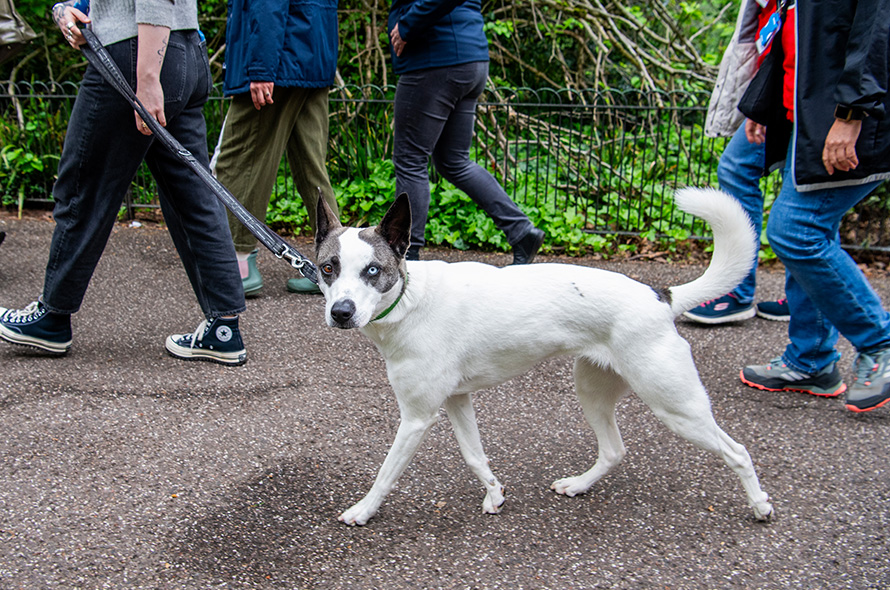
[30, 154]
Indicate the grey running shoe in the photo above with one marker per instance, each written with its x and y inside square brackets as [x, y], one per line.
[36, 326]
[218, 341]
[777, 376]
[871, 388]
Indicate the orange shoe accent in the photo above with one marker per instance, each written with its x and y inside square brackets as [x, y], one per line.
[835, 393]
[861, 410]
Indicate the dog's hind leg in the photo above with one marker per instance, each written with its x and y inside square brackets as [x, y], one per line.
[413, 428]
[702, 430]
[669, 384]
[599, 390]
[466, 431]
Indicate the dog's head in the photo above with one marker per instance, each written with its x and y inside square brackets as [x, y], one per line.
[361, 271]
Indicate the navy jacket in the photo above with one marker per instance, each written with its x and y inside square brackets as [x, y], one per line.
[292, 43]
[438, 33]
[847, 63]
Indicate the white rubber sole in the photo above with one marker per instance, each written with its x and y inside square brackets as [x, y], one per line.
[199, 354]
[13, 337]
[736, 317]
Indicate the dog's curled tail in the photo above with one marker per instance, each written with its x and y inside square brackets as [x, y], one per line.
[735, 245]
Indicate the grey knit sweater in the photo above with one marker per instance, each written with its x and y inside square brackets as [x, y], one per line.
[116, 20]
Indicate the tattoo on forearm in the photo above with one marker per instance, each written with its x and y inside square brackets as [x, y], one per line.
[161, 52]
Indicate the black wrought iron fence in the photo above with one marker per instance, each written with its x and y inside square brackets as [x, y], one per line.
[606, 160]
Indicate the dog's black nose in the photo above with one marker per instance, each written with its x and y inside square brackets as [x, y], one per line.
[342, 311]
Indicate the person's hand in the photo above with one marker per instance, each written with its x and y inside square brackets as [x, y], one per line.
[261, 93]
[67, 18]
[755, 132]
[398, 44]
[839, 152]
[151, 95]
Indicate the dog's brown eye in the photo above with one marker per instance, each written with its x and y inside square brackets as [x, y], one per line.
[327, 269]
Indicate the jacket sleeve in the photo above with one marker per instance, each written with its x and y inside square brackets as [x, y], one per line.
[267, 20]
[737, 68]
[424, 14]
[866, 72]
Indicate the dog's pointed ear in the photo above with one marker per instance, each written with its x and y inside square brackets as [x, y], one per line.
[325, 220]
[395, 227]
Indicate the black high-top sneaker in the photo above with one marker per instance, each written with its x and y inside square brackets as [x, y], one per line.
[217, 341]
[36, 326]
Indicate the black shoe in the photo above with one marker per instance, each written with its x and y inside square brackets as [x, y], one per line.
[36, 326]
[218, 341]
[525, 249]
[413, 252]
[776, 311]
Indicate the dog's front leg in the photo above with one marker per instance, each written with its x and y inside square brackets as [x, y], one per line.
[412, 431]
[466, 431]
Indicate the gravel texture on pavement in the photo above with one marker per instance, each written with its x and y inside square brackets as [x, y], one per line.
[121, 467]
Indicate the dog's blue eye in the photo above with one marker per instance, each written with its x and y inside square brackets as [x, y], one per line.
[373, 270]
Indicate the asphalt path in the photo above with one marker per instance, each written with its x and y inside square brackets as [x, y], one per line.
[121, 467]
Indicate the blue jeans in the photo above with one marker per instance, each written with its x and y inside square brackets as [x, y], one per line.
[827, 293]
[435, 113]
[739, 172]
[102, 153]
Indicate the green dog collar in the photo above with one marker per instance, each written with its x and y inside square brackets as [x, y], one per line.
[386, 311]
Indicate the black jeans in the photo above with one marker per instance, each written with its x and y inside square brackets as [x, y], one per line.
[101, 155]
[435, 113]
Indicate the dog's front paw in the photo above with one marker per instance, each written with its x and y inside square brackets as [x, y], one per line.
[763, 511]
[359, 514]
[570, 486]
[494, 500]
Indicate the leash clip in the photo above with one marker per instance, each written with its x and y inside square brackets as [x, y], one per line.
[296, 260]
[299, 262]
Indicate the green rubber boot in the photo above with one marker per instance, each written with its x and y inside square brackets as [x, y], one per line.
[253, 282]
[302, 285]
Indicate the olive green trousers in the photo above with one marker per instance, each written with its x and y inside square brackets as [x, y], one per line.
[251, 145]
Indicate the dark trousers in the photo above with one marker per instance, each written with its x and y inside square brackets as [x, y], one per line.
[435, 113]
[101, 155]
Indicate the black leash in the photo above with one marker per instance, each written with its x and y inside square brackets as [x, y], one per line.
[96, 54]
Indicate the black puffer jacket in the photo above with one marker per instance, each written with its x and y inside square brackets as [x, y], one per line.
[843, 49]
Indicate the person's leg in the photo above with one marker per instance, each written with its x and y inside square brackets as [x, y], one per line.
[101, 154]
[307, 149]
[423, 103]
[739, 172]
[451, 155]
[826, 291]
[248, 157]
[195, 218]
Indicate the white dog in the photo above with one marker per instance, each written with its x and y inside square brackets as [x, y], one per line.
[447, 330]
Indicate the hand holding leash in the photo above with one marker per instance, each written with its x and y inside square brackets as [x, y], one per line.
[67, 18]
